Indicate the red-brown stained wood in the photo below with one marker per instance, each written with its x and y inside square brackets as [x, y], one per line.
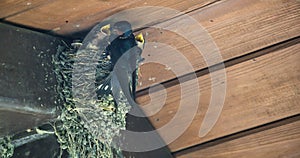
[83, 15]
[280, 141]
[258, 91]
[12, 7]
[237, 27]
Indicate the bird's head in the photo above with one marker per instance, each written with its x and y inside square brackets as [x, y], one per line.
[122, 29]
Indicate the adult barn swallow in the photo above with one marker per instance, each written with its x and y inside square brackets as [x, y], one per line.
[124, 51]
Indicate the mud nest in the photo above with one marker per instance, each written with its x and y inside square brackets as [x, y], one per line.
[86, 126]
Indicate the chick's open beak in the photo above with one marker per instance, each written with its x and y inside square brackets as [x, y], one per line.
[140, 40]
[105, 29]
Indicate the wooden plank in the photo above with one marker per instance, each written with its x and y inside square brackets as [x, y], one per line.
[280, 139]
[236, 26]
[13, 7]
[71, 16]
[258, 91]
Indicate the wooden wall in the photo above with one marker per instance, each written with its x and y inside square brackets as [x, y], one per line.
[259, 44]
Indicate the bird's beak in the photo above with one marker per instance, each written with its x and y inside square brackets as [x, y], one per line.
[140, 40]
[105, 29]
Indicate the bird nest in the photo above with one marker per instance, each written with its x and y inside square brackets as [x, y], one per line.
[86, 127]
[88, 123]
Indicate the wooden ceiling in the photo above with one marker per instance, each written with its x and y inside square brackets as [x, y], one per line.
[71, 16]
[258, 40]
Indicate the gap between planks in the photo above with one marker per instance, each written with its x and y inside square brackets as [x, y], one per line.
[249, 83]
[20, 8]
[227, 63]
[242, 138]
[236, 27]
[86, 14]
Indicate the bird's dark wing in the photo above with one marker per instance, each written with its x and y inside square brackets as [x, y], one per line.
[124, 74]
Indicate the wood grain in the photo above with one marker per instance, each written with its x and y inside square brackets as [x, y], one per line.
[258, 91]
[281, 140]
[237, 28]
[70, 16]
[12, 7]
